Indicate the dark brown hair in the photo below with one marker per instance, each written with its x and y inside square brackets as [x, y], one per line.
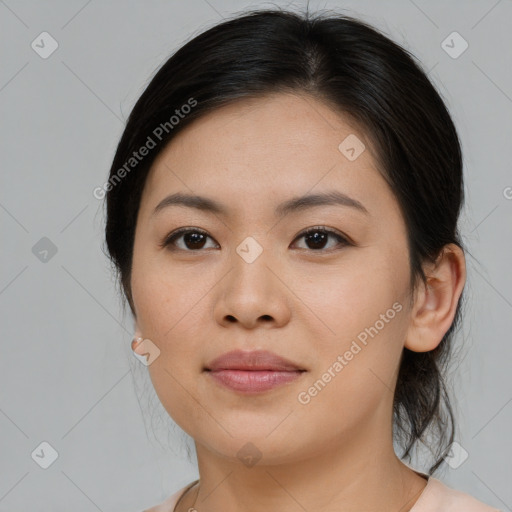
[360, 73]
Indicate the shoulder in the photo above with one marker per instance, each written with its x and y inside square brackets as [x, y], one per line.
[169, 504]
[438, 496]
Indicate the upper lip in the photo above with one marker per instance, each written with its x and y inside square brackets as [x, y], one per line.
[252, 360]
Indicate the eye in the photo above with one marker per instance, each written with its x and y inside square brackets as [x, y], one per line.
[193, 238]
[317, 237]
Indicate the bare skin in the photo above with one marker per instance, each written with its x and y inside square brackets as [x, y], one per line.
[304, 303]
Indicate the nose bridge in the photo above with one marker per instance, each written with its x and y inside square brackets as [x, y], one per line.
[250, 260]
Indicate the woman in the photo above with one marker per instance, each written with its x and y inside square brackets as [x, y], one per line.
[282, 212]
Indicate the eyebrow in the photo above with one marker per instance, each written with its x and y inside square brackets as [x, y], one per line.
[295, 204]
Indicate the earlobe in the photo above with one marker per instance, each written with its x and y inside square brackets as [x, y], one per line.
[421, 336]
[137, 339]
[436, 301]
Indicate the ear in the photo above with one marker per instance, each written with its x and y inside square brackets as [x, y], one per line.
[435, 304]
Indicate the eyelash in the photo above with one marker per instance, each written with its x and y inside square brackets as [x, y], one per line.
[169, 240]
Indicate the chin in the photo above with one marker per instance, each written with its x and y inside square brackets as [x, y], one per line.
[255, 446]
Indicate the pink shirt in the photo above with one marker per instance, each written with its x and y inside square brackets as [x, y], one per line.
[436, 497]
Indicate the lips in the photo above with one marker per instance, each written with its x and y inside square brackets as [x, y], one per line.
[258, 360]
[253, 372]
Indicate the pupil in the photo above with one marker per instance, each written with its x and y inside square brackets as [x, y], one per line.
[317, 239]
[193, 239]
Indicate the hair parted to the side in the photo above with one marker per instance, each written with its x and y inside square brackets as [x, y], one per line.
[378, 86]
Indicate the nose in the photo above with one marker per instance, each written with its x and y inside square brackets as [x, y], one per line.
[253, 294]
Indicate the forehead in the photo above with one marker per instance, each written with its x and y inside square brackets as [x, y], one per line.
[266, 150]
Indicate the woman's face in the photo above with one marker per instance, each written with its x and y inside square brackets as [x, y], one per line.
[339, 310]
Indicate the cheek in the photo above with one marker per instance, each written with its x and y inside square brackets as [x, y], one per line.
[345, 299]
[166, 298]
[362, 320]
[151, 297]
[172, 311]
[167, 309]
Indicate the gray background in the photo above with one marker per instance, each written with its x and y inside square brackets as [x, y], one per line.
[67, 374]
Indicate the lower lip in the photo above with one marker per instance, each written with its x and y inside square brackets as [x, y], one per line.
[254, 381]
